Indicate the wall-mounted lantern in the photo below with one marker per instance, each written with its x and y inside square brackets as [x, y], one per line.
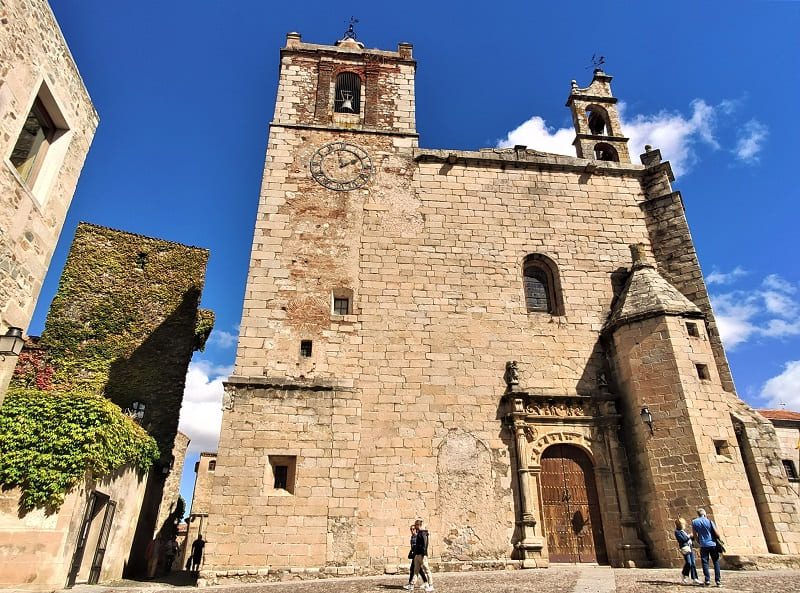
[136, 411]
[11, 343]
[647, 418]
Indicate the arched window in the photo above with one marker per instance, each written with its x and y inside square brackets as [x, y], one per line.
[347, 98]
[605, 152]
[542, 288]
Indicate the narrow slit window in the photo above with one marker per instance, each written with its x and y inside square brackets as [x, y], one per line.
[281, 477]
[305, 348]
[347, 97]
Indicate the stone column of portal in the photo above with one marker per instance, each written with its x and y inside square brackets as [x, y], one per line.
[633, 549]
[530, 545]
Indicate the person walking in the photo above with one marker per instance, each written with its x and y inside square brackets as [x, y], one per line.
[684, 540]
[705, 534]
[411, 555]
[421, 557]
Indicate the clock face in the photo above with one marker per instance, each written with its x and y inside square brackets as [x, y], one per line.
[341, 166]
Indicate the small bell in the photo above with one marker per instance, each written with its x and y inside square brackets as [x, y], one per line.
[347, 101]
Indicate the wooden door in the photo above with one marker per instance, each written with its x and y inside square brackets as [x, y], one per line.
[570, 506]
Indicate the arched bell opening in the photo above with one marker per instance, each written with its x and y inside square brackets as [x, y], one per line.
[599, 123]
[605, 152]
[347, 94]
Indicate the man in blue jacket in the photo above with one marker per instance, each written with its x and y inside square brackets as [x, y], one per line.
[703, 527]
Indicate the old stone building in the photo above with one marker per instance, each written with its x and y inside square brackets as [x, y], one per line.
[787, 427]
[47, 122]
[517, 346]
[124, 323]
[205, 470]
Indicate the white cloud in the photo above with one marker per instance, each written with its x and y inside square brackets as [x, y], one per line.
[678, 136]
[717, 277]
[536, 134]
[775, 282]
[672, 133]
[767, 311]
[750, 141]
[201, 414]
[785, 388]
[222, 339]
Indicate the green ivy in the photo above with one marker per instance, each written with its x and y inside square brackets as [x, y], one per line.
[203, 327]
[50, 439]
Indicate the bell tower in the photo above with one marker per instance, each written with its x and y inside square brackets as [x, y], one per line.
[346, 86]
[598, 134]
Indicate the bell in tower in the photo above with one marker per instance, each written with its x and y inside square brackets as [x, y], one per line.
[594, 115]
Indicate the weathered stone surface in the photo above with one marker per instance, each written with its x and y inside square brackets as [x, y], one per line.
[35, 61]
[399, 408]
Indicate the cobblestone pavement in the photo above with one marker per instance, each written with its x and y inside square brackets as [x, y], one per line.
[556, 579]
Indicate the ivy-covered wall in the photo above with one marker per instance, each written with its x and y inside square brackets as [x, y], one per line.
[125, 322]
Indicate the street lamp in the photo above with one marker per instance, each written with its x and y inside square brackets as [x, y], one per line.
[136, 411]
[11, 343]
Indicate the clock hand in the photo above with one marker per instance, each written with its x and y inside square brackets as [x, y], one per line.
[343, 165]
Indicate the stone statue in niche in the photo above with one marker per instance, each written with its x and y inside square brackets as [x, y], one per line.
[512, 374]
[530, 432]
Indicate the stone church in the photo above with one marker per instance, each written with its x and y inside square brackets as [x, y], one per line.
[514, 345]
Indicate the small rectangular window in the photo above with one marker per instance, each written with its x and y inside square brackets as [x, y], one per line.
[305, 348]
[341, 306]
[791, 471]
[702, 372]
[722, 448]
[212, 465]
[691, 329]
[281, 474]
[283, 471]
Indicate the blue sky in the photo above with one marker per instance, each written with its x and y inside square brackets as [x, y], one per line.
[185, 92]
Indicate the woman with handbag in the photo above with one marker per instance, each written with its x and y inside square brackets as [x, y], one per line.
[685, 546]
[411, 557]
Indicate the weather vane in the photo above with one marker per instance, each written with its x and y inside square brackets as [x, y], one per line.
[350, 33]
[597, 62]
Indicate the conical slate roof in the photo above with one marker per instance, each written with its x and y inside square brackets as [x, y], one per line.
[648, 294]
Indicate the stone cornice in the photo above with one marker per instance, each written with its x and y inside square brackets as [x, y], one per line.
[286, 384]
[527, 159]
[356, 130]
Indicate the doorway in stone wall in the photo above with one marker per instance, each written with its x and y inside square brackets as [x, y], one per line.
[93, 538]
[570, 506]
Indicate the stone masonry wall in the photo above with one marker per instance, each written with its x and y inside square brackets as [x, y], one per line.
[432, 253]
[37, 550]
[678, 466]
[33, 54]
[677, 262]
